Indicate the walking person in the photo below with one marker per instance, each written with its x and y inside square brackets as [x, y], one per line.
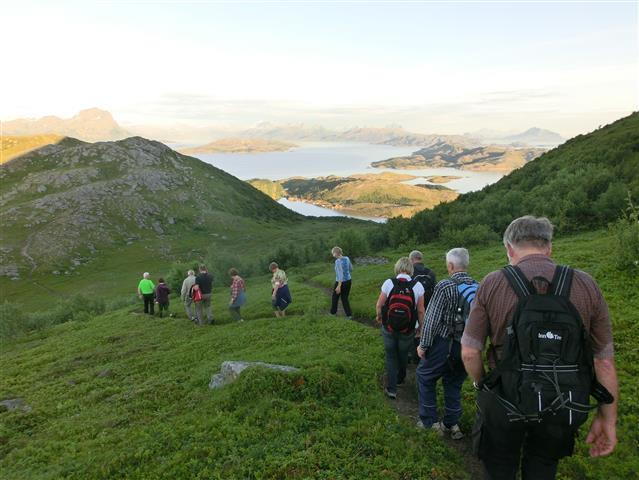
[162, 297]
[280, 293]
[440, 349]
[529, 413]
[427, 278]
[400, 303]
[342, 287]
[146, 289]
[186, 296]
[204, 282]
[238, 295]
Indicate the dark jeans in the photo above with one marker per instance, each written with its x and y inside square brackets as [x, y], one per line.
[396, 346]
[435, 365]
[149, 305]
[235, 313]
[343, 294]
[500, 443]
[163, 307]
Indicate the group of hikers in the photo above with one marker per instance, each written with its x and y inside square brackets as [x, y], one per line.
[549, 339]
[550, 349]
[197, 290]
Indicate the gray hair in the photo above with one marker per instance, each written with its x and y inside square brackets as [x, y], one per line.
[190, 272]
[404, 265]
[459, 257]
[146, 274]
[529, 231]
[336, 251]
[416, 256]
[272, 266]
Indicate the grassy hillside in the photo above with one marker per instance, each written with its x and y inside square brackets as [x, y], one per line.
[582, 184]
[125, 396]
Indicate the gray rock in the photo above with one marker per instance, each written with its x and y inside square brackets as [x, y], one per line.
[230, 371]
[15, 404]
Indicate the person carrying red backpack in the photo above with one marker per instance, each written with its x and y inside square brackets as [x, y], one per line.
[399, 306]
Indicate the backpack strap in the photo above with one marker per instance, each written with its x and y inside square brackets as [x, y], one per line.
[562, 281]
[517, 280]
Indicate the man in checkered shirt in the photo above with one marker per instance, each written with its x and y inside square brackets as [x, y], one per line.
[440, 355]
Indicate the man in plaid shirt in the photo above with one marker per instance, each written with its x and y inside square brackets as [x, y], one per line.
[440, 355]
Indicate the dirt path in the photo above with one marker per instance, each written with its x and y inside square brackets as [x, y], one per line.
[407, 404]
[25, 253]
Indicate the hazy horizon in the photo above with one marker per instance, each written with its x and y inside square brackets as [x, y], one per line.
[429, 67]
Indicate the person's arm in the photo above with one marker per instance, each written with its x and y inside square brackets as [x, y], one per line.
[432, 315]
[473, 363]
[339, 275]
[602, 436]
[378, 307]
[420, 314]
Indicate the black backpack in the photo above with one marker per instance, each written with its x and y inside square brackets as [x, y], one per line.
[546, 372]
[465, 296]
[400, 311]
[426, 277]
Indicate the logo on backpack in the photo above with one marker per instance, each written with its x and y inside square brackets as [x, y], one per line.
[400, 311]
[465, 295]
[546, 373]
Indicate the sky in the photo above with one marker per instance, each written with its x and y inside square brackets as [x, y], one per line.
[431, 67]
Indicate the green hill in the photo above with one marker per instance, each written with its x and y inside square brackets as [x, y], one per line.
[90, 217]
[122, 395]
[582, 184]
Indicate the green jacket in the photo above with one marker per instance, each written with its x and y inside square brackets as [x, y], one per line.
[146, 286]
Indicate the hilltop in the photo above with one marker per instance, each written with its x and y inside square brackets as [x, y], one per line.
[240, 145]
[372, 195]
[442, 153]
[90, 125]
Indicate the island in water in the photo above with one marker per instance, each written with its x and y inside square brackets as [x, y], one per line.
[372, 195]
[489, 158]
[240, 145]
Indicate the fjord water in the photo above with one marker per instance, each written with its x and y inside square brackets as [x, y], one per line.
[320, 159]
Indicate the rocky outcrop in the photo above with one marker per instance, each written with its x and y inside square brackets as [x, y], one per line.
[231, 370]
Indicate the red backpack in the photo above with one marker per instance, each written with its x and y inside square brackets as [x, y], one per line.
[400, 310]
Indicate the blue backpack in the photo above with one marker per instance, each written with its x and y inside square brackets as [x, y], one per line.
[465, 295]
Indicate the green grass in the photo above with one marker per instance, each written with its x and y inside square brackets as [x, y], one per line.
[124, 395]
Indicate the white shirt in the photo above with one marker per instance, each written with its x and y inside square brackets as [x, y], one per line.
[418, 288]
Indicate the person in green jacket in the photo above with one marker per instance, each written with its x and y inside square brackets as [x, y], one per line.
[146, 290]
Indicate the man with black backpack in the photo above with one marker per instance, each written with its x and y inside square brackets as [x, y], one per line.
[427, 278]
[550, 350]
[439, 347]
[399, 306]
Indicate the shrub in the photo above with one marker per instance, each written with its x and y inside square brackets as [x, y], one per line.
[626, 234]
[471, 235]
[11, 320]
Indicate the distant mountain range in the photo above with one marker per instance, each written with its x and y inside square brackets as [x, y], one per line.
[90, 125]
[95, 124]
[534, 137]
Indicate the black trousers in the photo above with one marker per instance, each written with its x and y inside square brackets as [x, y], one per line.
[501, 444]
[343, 294]
[149, 306]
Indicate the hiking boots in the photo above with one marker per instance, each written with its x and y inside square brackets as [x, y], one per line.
[389, 394]
[441, 429]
